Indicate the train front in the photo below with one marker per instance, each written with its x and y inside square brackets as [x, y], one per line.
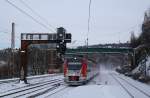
[74, 71]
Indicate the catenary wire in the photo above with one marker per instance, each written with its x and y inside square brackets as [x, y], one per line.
[24, 12]
[37, 14]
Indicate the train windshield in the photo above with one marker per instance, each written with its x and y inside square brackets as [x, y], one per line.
[74, 66]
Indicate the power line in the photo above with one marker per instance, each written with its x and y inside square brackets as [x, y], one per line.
[130, 28]
[3, 31]
[37, 14]
[24, 12]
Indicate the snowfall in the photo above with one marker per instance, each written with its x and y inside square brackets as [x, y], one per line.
[108, 84]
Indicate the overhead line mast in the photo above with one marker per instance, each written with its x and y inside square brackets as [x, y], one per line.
[89, 17]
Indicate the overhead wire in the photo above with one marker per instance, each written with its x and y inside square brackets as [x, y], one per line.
[37, 14]
[131, 28]
[31, 17]
[3, 31]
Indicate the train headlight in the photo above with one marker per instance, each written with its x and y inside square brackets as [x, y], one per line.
[83, 78]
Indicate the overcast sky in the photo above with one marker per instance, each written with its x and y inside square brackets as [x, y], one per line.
[111, 20]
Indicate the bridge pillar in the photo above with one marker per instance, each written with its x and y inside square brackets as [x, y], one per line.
[23, 63]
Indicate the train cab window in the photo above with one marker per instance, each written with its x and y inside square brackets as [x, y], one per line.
[74, 66]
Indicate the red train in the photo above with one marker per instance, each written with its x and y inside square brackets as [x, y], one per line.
[79, 70]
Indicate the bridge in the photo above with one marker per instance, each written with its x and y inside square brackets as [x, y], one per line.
[100, 50]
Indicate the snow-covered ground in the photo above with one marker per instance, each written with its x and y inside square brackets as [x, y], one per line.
[104, 86]
[5, 86]
[148, 66]
[108, 84]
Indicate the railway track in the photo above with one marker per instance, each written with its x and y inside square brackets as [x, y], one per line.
[122, 86]
[28, 85]
[130, 88]
[32, 90]
[29, 78]
[54, 92]
[148, 95]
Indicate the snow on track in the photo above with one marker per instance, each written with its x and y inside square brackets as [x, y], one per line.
[96, 91]
[29, 89]
[40, 91]
[132, 88]
[56, 93]
[108, 84]
[31, 80]
[102, 85]
[144, 87]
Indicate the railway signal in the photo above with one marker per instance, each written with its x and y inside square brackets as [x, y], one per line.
[61, 38]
